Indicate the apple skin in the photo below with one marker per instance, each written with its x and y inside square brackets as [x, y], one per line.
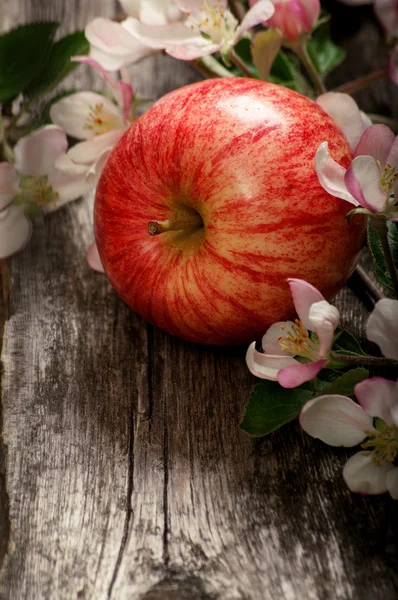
[239, 152]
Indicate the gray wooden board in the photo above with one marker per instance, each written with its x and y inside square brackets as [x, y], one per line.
[123, 473]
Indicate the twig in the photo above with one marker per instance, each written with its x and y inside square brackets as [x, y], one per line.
[237, 9]
[238, 62]
[302, 53]
[358, 84]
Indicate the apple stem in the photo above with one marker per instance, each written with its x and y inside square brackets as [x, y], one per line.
[157, 227]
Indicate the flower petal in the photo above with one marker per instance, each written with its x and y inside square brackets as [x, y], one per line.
[270, 343]
[331, 175]
[377, 396]
[376, 141]
[112, 46]
[73, 113]
[259, 13]
[162, 37]
[392, 158]
[8, 184]
[345, 112]
[324, 319]
[35, 153]
[193, 51]
[387, 13]
[295, 374]
[93, 258]
[68, 184]
[363, 182]
[304, 296]
[265, 366]
[392, 483]
[382, 327]
[363, 476]
[159, 12]
[336, 420]
[86, 153]
[15, 230]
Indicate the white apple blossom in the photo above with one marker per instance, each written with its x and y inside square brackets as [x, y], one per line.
[97, 120]
[371, 181]
[36, 182]
[209, 27]
[382, 327]
[339, 421]
[285, 340]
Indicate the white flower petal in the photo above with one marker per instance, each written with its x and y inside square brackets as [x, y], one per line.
[112, 46]
[377, 397]
[259, 13]
[392, 158]
[193, 51]
[270, 343]
[304, 296]
[324, 319]
[345, 112]
[363, 476]
[265, 366]
[294, 375]
[336, 420]
[363, 182]
[162, 37]
[68, 185]
[74, 113]
[36, 153]
[93, 258]
[331, 175]
[86, 153]
[392, 482]
[15, 230]
[382, 327]
[159, 12]
[8, 184]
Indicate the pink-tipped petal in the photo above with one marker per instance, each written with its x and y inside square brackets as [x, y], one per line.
[127, 98]
[270, 342]
[331, 175]
[159, 38]
[392, 483]
[324, 319]
[363, 476]
[294, 375]
[264, 366]
[363, 182]
[106, 76]
[345, 112]
[336, 420]
[376, 142]
[382, 327]
[259, 13]
[304, 295]
[93, 258]
[8, 184]
[377, 397]
[86, 153]
[35, 154]
[392, 158]
[15, 230]
[192, 51]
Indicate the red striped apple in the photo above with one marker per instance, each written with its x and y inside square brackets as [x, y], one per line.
[223, 172]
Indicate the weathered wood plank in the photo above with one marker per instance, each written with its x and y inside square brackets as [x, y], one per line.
[126, 473]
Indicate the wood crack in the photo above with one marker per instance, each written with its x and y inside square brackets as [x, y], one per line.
[129, 509]
[5, 527]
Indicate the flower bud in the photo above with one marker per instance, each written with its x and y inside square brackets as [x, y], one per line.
[293, 17]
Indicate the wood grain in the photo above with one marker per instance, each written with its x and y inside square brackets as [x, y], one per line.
[127, 476]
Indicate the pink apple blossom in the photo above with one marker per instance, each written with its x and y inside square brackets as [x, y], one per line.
[97, 120]
[209, 27]
[285, 340]
[293, 17]
[339, 421]
[370, 182]
[382, 327]
[345, 112]
[35, 181]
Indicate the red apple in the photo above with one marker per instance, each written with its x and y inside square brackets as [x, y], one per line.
[231, 162]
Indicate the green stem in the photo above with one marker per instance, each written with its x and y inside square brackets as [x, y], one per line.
[362, 82]
[301, 50]
[380, 226]
[238, 62]
[210, 67]
[374, 361]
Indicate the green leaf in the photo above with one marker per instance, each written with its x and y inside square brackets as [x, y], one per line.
[59, 63]
[270, 406]
[286, 71]
[323, 51]
[23, 52]
[376, 249]
[349, 345]
[345, 384]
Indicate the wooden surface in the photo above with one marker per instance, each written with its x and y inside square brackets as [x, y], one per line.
[123, 474]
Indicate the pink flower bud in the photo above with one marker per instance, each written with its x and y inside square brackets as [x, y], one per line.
[293, 17]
